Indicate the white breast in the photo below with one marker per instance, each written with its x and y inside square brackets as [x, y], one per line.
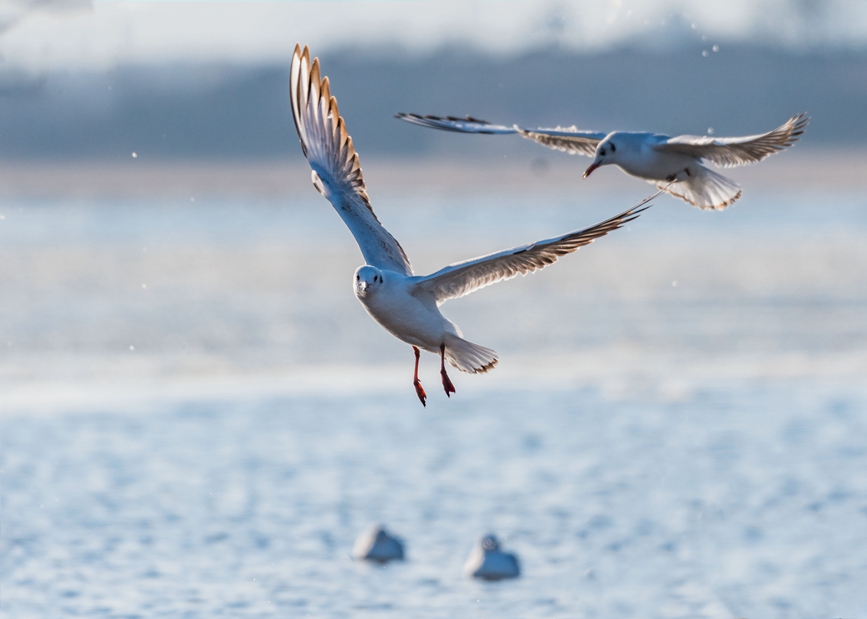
[645, 162]
[406, 317]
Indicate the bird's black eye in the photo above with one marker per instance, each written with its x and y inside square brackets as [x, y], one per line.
[613, 148]
[357, 277]
[602, 152]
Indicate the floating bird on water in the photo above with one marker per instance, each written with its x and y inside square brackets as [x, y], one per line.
[377, 545]
[407, 305]
[488, 562]
[674, 164]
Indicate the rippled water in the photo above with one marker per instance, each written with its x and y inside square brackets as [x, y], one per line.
[678, 427]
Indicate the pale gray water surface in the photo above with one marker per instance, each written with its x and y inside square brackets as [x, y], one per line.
[678, 427]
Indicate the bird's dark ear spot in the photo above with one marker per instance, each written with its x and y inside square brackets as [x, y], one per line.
[613, 148]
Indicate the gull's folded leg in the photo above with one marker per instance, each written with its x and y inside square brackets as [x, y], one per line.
[419, 390]
[447, 383]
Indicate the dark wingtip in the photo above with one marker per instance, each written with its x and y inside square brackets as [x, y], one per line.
[408, 116]
[800, 124]
[632, 213]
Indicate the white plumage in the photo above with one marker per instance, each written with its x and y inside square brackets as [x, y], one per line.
[405, 304]
[488, 562]
[674, 164]
[378, 545]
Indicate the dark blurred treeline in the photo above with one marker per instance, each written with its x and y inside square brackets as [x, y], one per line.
[230, 112]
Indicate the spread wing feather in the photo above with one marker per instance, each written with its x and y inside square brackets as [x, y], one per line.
[335, 164]
[452, 123]
[567, 139]
[728, 152]
[463, 278]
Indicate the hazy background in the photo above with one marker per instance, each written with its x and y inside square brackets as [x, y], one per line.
[177, 80]
[198, 417]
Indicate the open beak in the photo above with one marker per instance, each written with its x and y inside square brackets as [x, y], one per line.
[592, 167]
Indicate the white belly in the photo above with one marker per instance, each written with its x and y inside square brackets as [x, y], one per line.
[661, 166]
[408, 318]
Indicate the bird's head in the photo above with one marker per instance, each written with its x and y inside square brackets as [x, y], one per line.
[367, 280]
[606, 154]
[381, 536]
[490, 543]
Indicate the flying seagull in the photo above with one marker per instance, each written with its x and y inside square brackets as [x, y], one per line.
[407, 305]
[674, 164]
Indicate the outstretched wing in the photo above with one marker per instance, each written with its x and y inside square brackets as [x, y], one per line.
[567, 139]
[463, 278]
[728, 152]
[336, 169]
[451, 123]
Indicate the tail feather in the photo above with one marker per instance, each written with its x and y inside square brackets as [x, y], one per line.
[469, 357]
[706, 190]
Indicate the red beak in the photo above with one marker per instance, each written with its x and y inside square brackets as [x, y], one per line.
[592, 167]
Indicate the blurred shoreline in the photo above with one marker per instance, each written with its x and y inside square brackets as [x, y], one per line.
[619, 375]
[184, 278]
[822, 169]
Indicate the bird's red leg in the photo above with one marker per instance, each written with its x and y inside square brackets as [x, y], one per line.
[447, 383]
[419, 390]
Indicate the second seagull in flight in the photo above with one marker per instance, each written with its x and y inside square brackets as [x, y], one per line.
[674, 164]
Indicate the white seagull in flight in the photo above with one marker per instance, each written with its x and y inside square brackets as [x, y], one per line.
[674, 164]
[407, 305]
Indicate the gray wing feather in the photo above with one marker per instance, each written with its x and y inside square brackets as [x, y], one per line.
[728, 152]
[463, 278]
[458, 125]
[567, 139]
[335, 164]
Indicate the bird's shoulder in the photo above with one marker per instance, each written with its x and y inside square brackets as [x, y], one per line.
[409, 286]
[636, 139]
